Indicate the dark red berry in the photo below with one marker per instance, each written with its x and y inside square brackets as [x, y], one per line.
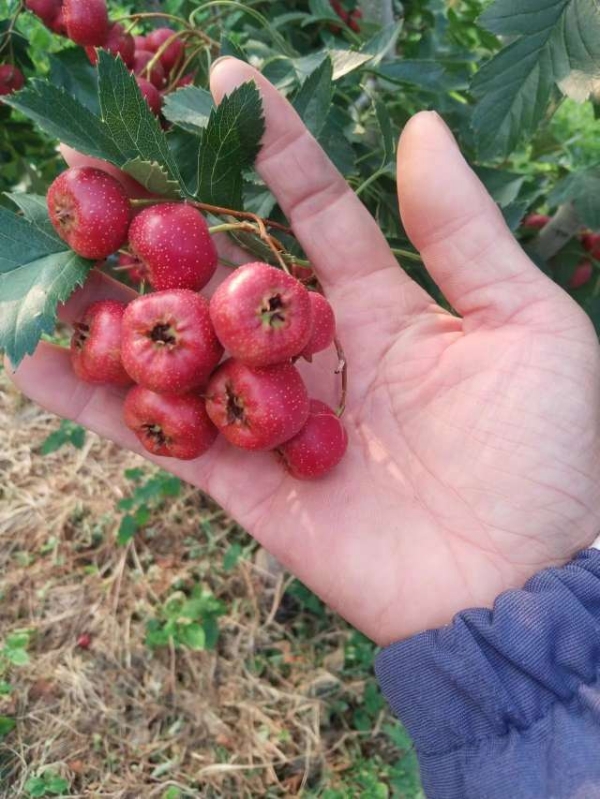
[141, 60]
[323, 326]
[150, 94]
[168, 342]
[118, 42]
[173, 243]
[90, 211]
[318, 447]
[86, 21]
[96, 344]
[173, 54]
[168, 425]
[46, 10]
[11, 79]
[261, 315]
[582, 275]
[257, 408]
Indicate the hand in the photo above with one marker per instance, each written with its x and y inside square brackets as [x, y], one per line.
[474, 456]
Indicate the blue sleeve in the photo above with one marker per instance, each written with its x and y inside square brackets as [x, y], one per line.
[505, 703]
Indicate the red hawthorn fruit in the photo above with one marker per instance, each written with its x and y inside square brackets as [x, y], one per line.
[11, 79]
[536, 221]
[133, 267]
[58, 25]
[140, 43]
[118, 42]
[168, 343]
[174, 426]
[84, 641]
[96, 344]
[46, 10]
[150, 94]
[318, 447]
[257, 409]
[186, 80]
[86, 21]
[323, 326]
[174, 52]
[591, 243]
[582, 275]
[353, 18]
[173, 242]
[261, 315]
[90, 211]
[141, 60]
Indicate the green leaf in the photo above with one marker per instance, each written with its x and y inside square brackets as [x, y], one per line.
[190, 108]
[5, 690]
[7, 724]
[383, 42]
[229, 145]
[502, 185]
[192, 636]
[558, 38]
[66, 119]
[152, 176]
[18, 640]
[35, 210]
[337, 147]
[127, 529]
[132, 126]
[231, 557]
[67, 433]
[423, 73]
[313, 101]
[36, 273]
[583, 189]
[232, 48]
[18, 657]
[71, 69]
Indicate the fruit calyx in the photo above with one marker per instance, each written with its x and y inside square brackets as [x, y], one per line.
[164, 335]
[157, 434]
[272, 311]
[81, 335]
[235, 407]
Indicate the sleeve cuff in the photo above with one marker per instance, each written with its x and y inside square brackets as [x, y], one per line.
[491, 672]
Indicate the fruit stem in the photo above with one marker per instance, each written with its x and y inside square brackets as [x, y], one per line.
[155, 15]
[231, 226]
[407, 255]
[8, 32]
[162, 49]
[342, 368]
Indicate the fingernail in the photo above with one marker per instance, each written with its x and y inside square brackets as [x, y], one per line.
[219, 60]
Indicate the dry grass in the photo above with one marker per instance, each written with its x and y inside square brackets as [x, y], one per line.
[250, 719]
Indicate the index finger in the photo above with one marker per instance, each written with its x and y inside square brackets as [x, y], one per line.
[335, 229]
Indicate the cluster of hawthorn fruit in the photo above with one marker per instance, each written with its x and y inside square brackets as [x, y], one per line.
[154, 59]
[590, 242]
[167, 345]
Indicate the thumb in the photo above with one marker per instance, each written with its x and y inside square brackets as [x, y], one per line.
[465, 244]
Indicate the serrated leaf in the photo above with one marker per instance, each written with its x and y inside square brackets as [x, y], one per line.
[36, 273]
[322, 10]
[153, 177]
[231, 48]
[190, 108]
[424, 73]
[132, 126]
[313, 101]
[72, 71]
[193, 636]
[514, 89]
[127, 529]
[66, 119]
[229, 145]
[583, 189]
[383, 42]
[35, 209]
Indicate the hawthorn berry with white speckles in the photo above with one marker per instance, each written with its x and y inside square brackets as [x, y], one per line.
[173, 242]
[168, 342]
[261, 315]
[257, 409]
[174, 426]
[118, 42]
[96, 344]
[318, 447]
[86, 21]
[323, 326]
[90, 211]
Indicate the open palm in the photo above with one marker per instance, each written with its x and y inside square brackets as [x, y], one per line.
[474, 455]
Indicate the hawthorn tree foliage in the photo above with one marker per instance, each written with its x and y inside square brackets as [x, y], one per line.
[500, 73]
